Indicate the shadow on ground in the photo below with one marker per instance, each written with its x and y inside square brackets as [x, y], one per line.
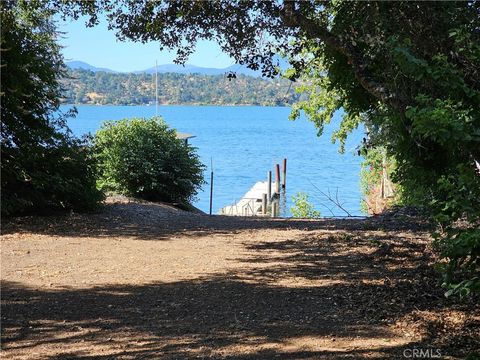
[246, 314]
[350, 290]
[150, 221]
[188, 319]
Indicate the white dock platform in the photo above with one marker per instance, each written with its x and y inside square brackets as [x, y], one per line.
[250, 204]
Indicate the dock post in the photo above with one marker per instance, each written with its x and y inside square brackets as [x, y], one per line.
[274, 209]
[211, 184]
[264, 204]
[269, 185]
[277, 179]
[284, 180]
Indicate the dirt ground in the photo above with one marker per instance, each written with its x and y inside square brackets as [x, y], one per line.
[147, 281]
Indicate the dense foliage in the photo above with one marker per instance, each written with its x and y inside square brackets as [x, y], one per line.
[143, 158]
[88, 87]
[44, 167]
[419, 98]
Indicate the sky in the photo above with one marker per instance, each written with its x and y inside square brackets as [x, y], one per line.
[99, 47]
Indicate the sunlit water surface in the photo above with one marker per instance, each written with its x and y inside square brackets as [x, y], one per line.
[244, 142]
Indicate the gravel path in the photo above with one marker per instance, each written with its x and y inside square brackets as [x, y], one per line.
[148, 281]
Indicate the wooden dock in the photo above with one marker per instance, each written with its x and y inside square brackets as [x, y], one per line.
[251, 203]
[260, 200]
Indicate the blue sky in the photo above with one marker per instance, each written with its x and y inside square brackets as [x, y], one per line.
[99, 47]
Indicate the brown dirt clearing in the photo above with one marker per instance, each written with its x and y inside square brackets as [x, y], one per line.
[147, 281]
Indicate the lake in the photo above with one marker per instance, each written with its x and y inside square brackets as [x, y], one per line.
[245, 142]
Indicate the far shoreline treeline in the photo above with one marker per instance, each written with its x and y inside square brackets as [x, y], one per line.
[85, 87]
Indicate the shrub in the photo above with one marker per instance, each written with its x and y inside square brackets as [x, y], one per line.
[303, 208]
[143, 158]
[41, 179]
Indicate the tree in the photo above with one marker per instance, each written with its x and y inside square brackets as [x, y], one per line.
[418, 92]
[43, 166]
[143, 158]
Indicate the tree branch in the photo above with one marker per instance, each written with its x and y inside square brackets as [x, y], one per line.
[294, 19]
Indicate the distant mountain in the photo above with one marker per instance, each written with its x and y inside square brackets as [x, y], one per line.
[179, 69]
[192, 69]
[85, 66]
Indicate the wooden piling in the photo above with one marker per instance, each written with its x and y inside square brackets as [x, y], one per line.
[274, 209]
[284, 180]
[277, 179]
[211, 181]
[269, 192]
[264, 204]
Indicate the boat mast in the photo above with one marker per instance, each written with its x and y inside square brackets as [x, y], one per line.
[156, 89]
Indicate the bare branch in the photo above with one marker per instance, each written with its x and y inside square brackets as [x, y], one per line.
[336, 202]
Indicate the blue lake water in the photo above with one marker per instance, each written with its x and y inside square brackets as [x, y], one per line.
[245, 142]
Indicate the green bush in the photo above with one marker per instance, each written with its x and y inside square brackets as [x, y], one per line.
[43, 179]
[143, 158]
[303, 208]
